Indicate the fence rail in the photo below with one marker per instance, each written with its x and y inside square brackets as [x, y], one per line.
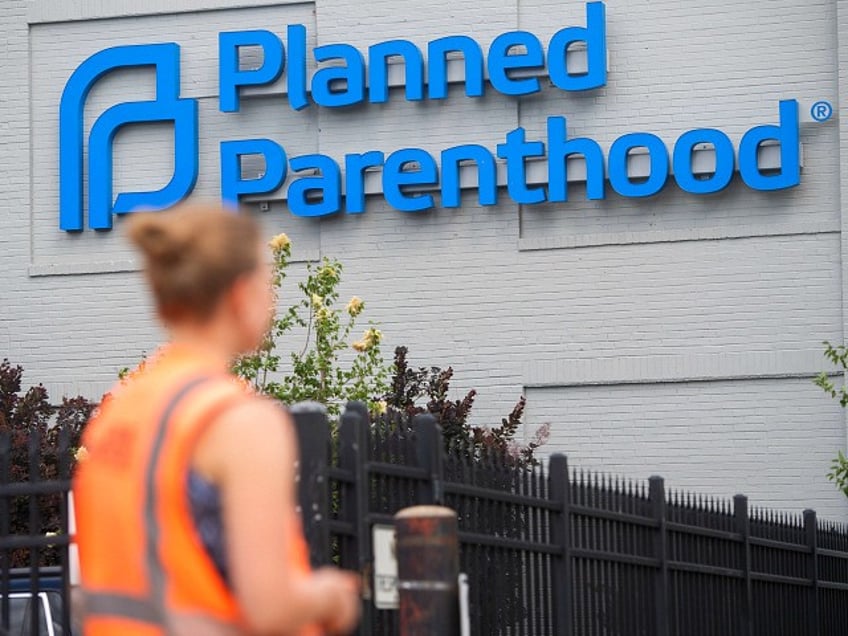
[548, 550]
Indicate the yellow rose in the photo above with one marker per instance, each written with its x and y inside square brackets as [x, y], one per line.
[370, 339]
[323, 313]
[380, 407]
[81, 454]
[317, 300]
[279, 242]
[355, 306]
[373, 336]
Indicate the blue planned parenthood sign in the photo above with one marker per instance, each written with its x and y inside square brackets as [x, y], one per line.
[319, 185]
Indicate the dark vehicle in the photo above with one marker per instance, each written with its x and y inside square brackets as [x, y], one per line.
[48, 601]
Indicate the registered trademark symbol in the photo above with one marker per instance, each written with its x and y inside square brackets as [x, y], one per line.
[822, 110]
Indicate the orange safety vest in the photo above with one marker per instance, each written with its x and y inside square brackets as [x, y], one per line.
[144, 569]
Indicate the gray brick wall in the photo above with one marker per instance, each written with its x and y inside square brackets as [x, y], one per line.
[676, 335]
[767, 433]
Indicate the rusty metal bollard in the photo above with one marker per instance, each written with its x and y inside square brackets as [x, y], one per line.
[428, 569]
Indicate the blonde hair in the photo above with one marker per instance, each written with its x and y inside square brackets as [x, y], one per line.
[193, 255]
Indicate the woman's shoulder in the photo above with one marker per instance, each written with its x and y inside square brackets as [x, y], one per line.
[253, 433]
[253, 413]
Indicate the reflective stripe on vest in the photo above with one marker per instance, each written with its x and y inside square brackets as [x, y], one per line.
[155, 572]
[102, 605]
[122, 606]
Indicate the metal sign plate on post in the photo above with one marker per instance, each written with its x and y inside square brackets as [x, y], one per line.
[385, 567]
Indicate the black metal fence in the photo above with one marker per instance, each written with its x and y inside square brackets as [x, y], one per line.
[553, 552]
[34, 537]
[547, 551]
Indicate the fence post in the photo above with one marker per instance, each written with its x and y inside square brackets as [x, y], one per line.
[657, 497]
[34, 476]
[811, 528]
[64, 451]
[5, 510]
[354, 437]
[560, 491]
[313, 434]
[430, 456]
[743, 527]
[428, 571]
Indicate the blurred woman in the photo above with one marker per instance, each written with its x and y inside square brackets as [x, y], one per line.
[186, 519]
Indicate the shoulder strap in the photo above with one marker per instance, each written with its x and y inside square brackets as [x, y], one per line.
[153, 562]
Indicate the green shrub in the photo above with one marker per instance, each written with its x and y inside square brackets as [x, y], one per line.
[839, 357]
[319, 370]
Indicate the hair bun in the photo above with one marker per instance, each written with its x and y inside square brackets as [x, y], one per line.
[156, 238]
